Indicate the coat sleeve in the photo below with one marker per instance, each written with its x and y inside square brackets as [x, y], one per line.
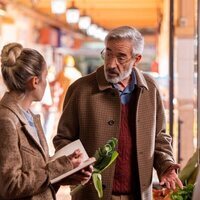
[68, 127]
[163, 156]
[15, 181]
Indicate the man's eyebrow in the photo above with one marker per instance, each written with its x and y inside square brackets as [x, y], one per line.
[121, 54]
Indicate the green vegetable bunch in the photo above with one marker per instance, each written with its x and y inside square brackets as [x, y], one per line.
[105, 156]
[183, 194]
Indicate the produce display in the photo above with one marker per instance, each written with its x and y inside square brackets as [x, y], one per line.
[178, 194]
[188, 177]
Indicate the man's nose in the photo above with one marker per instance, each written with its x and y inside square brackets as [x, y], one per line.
[112, 62]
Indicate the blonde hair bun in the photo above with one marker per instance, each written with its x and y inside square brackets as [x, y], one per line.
[10, 53]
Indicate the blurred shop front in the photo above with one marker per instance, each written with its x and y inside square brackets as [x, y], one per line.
[57, 46]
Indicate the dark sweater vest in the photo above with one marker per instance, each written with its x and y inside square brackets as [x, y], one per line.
[126, 179]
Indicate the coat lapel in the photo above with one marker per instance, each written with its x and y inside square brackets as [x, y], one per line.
[141, 82]
[41, 135]
[103, 84]
[31, 132]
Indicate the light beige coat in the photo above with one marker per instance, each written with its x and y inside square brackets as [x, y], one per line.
[92, 113]
[25, 170]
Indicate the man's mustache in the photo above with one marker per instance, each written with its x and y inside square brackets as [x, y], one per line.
[111, 70]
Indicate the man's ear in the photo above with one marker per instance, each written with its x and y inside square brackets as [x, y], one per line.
[138, 57]
[33, 82]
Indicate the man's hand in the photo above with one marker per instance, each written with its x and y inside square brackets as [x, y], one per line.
[170, 178]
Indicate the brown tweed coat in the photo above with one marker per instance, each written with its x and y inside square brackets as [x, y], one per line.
[25, 167]
[92, 113]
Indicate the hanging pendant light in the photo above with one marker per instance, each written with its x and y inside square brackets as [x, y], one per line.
[58, 6]
[72, 14]
[92, 29]
[2, 9]
[84, 22]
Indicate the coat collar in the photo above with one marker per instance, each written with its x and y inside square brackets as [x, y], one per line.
[103, 84]
[9, 101]
[141, 81]
[101, 80]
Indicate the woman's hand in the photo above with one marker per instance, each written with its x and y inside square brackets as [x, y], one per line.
[87, 174]
[81, 177]
[76, 158]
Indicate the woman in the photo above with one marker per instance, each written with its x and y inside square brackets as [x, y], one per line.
[25, 166]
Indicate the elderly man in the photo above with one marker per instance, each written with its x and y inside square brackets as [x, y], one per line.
[120, 101]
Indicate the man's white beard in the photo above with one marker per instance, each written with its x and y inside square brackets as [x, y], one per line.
[121, 76]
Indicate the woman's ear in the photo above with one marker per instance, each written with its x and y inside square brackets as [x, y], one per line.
[33, 82]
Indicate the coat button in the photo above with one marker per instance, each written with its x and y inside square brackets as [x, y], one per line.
[111, 122]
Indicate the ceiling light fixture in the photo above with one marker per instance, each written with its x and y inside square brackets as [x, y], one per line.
[58, 6]
[72, 14]
[84, 22]
[92, 30]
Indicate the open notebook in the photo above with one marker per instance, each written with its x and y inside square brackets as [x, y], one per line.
[69, 149]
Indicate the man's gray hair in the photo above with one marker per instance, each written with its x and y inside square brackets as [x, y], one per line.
[130, 33]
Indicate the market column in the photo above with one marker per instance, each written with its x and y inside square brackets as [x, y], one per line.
[184, 53]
